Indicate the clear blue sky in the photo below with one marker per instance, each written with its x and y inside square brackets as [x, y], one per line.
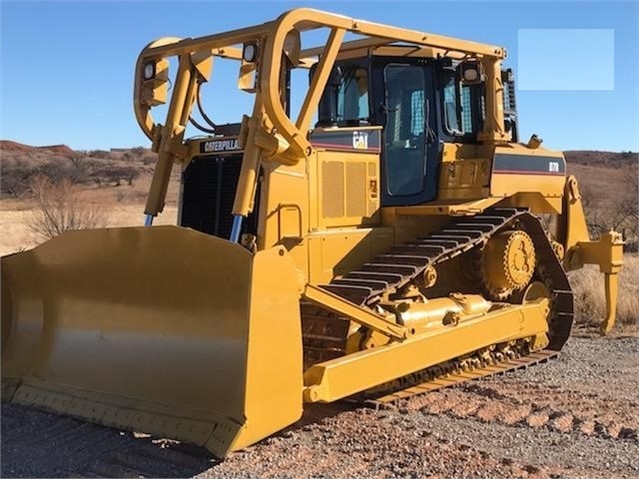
[67, 67]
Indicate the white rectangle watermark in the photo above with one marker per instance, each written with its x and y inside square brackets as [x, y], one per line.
[566, 59]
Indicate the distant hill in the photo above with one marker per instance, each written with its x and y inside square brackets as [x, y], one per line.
[602, 158]
[8, 146]
[21, 162]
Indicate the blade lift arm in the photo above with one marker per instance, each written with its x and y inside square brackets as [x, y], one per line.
[344, 376]
[168, 139]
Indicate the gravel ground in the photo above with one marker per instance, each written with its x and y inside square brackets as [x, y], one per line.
[574, 417]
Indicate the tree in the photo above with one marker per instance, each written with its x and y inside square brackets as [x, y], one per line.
[619, 212]
[59, 208]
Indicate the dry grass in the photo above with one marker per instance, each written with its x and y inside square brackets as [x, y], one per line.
[17, 235]
[121, 205]
[590, 301]
[59, 207]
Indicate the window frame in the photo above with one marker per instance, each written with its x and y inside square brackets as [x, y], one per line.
[476, 115]
[350, 122]
[408, 127]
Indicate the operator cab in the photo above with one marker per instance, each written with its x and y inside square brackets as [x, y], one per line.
[420, 103]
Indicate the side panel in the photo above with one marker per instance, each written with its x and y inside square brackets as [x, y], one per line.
[527, 171]
[464, 174]
[347, 177]
[336, 253]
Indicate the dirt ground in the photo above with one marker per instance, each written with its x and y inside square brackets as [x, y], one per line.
[574, 417]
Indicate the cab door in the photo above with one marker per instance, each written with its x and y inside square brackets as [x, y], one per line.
[410, 145]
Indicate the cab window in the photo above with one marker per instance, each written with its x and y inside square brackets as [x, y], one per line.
[463, 105]
[404, 131]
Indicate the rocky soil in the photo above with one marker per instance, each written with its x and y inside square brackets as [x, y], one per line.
[576, 416]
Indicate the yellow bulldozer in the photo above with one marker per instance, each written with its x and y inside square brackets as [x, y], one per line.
[389, 238]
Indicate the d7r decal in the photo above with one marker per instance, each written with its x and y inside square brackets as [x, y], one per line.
[528, 165]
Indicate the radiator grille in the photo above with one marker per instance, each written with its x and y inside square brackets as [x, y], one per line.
[209, 184]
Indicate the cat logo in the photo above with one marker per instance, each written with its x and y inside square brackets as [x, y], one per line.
[360, 140]
[230, 144]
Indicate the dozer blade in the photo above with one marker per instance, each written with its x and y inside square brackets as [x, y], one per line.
[162, 330]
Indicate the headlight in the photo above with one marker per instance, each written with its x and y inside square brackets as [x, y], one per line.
[149, 70]
[249, 53]
[471, 75]
[471, 72]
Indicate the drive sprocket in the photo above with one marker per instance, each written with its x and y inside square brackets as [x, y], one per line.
[507, 263]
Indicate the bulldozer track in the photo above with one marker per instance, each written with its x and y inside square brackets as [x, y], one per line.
[454, 379]
[325, 333]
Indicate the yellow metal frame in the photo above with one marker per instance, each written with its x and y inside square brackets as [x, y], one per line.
[361, 315]
[289, 142]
